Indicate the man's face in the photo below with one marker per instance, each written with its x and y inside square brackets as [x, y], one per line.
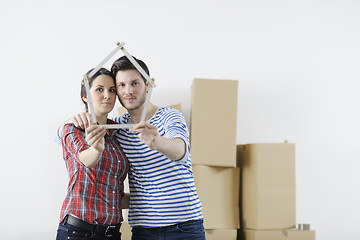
[131, 89]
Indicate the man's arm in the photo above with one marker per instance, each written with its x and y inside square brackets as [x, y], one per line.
[173, 149]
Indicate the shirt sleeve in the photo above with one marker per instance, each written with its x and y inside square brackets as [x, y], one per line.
[73, 141]
[57, 138]
[175, 127]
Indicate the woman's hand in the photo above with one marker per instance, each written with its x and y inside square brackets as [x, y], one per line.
[95, 137]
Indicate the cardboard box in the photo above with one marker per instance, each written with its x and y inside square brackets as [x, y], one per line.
[221, 234]
[268, 185]
[218, 190]
[213, 122]
[286, 234]
[125, 231]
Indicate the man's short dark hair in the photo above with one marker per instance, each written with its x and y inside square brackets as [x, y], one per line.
[123, 64]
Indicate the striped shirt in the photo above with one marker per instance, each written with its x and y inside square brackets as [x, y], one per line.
[162, 190]
[93, 194]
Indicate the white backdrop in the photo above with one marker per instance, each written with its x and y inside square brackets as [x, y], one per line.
[297, 63]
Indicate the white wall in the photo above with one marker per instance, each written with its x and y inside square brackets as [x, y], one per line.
[297, 63]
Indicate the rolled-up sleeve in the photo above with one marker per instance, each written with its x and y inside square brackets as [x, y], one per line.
[73, 141]
[175, 127]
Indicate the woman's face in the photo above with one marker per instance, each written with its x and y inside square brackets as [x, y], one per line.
[103, 94]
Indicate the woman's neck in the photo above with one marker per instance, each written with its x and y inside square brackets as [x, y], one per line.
[102, 119]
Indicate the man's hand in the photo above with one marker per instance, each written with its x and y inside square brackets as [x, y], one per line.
[173, 149]
[148, 134]
[81, 120]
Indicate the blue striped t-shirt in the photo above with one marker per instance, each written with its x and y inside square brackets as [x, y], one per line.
[162, 190]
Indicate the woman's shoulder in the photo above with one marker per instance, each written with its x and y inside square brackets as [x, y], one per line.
[69, 127]
[109, 121]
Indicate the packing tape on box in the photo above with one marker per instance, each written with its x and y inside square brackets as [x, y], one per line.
[304, 226]
[284, 232]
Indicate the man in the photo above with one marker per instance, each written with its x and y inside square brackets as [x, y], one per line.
[164, 203]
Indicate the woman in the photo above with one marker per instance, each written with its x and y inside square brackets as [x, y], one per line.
[97, 168]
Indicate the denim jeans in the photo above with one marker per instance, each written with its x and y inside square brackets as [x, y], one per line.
[190, 230]
[70, 232]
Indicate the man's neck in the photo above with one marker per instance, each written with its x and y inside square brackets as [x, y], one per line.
[136, 114]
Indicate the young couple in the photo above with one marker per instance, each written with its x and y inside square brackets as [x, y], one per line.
[163, 202]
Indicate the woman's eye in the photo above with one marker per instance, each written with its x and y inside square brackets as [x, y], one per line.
[113, 90]
[99, 89]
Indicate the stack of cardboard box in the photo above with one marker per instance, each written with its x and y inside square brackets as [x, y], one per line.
[266, 209]
[268, 204]
[213, 155]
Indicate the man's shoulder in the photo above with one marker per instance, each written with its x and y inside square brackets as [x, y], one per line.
[123, 119]
[168, 115]
[168, 111]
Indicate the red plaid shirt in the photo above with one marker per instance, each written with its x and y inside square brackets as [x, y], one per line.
[94, 194]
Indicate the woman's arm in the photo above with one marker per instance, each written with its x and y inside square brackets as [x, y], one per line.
[95, 138]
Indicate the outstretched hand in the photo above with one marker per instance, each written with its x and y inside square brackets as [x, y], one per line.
[95, 137]
[148, 134]
[173, 149]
